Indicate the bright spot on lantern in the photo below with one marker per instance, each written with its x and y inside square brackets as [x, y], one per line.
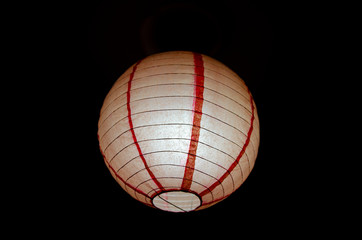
[179, 131]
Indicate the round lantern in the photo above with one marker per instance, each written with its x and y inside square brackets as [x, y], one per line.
[179, 131]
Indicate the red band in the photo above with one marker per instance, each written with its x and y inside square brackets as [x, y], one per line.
[133, 133]
[236, 162]
[197, 114]
[119, 177]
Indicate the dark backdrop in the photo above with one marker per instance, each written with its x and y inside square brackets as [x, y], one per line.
[262, 41]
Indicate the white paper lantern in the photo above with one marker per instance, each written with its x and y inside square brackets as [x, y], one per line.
[179, 131]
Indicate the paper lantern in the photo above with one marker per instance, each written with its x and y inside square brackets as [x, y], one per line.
[179, 131]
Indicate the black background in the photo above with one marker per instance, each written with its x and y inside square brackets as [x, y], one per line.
[264, 42]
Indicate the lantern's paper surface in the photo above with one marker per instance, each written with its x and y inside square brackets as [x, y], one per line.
[179, 131]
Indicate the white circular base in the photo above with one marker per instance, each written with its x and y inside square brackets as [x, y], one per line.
[176, 201]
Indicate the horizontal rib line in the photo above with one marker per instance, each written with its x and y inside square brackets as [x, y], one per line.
[221, 65]
[176, 125]
[204, 114]
[166, 110]
[192, 74]
[192, 65]
[176, 96]
[186, 139]
[241, 171]
[157, 165]
[242, 175]
[175, 84]
[187, 110]
[170, 151]
[170, 124]
[173, 187]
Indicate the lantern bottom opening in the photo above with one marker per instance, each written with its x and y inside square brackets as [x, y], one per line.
[177, 201]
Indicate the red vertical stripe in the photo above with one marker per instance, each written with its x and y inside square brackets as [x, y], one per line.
[132, 130]
[236, 162]
[197, 114]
